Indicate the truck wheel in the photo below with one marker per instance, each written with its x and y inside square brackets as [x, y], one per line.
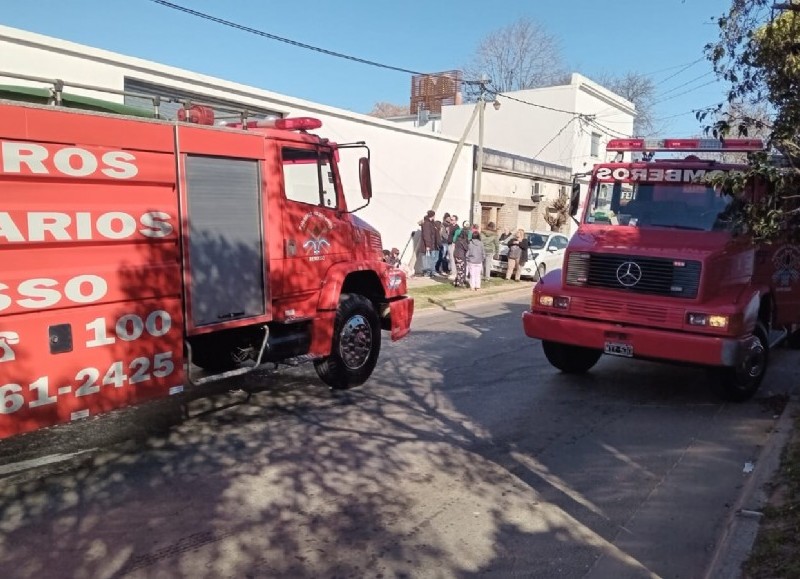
[540, 271]
[570, 359]
[356, 344]
[741, 382]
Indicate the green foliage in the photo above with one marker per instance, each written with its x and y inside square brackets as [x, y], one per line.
[758, 54]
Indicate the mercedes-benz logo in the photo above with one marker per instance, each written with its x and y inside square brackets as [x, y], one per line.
[629, 274]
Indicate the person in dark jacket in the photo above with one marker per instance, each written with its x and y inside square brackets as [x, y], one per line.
[429, 244]
[460, 256]
[443, 263]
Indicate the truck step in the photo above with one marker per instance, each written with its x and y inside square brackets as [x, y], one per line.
[776, 337]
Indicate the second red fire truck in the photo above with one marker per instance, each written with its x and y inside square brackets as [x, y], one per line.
[655, 271]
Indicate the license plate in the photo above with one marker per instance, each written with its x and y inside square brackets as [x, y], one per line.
[619, 349]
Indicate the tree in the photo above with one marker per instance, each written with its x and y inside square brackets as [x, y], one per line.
[519, 56]
[758, 53]
[556, 214]
[384, 110]
[640, 90]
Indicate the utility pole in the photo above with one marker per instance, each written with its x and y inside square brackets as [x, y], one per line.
[481, 107]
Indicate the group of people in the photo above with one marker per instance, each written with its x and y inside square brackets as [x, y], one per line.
[461, 252]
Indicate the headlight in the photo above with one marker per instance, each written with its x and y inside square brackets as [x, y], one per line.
[558, 302]
[707, 320]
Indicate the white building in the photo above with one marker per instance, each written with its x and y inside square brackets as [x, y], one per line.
[530, 153]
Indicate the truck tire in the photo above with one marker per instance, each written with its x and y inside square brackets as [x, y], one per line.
[540, 272]
[740, 383]
[356, 344]
[570, 359]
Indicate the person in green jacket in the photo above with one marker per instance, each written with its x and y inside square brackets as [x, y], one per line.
[491, 247]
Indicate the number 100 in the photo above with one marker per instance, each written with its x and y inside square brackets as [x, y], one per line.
[128, 328]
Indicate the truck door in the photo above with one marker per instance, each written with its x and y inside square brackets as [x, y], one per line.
[224, 249]
[316, 234]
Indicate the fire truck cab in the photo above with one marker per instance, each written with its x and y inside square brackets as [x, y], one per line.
[656, 272]
[142, 256]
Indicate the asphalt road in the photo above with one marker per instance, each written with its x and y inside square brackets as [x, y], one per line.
[466, 455]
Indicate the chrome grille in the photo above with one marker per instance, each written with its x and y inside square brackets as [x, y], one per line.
[659, 276]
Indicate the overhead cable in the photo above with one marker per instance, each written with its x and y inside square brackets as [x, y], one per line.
[257, 32]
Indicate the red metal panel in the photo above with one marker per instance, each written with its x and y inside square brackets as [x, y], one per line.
[91, 315]
[221, 142]
[43, 124]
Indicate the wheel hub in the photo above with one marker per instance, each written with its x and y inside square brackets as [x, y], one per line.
[753, 363]
[355, 342]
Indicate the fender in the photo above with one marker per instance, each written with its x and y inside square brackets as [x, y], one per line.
[390, 281]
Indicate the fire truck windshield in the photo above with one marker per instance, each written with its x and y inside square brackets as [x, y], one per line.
[692, 206]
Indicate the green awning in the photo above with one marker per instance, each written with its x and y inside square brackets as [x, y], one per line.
[42, 96]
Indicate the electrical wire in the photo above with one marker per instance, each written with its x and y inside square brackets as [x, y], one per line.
[257, 32]
[685, 68]
[688, 82]
[538, 106]
[569, 122]
[685, 92]
[574, 115]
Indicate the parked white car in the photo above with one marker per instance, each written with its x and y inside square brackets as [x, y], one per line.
[545, 253]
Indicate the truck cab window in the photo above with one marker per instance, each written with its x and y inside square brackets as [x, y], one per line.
[308, 177]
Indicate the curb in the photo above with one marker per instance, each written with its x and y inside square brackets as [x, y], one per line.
[455, 304]
[742, 523]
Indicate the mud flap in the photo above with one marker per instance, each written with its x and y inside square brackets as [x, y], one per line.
[400, 314]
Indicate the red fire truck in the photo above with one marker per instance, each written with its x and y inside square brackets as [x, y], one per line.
[141, 256]
[655, 271]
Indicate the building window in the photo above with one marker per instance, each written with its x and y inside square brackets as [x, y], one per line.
[595, 152]
[224, 110]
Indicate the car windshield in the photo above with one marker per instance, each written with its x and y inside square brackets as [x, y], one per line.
[693, 206]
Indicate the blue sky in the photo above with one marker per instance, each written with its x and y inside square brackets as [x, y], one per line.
[659, 38]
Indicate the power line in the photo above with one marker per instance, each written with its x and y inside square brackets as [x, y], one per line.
[685, 68]
[263, 34]
[569, 122]
[688, 82]
[685, 92]
[607, 130]
[684, 65]
[500, 94]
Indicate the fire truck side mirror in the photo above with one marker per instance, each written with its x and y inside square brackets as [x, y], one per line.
[574, 199]
[365, 178]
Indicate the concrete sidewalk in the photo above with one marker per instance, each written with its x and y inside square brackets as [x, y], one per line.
[437, 293]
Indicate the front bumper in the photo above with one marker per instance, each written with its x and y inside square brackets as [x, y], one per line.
[645, 342]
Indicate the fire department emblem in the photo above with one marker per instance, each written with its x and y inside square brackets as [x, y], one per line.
[317, 226]
[787, 266]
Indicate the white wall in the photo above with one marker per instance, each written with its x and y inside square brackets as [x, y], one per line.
[408, 164]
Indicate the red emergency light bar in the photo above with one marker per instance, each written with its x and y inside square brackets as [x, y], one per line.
[727, 145]
[293, 124]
